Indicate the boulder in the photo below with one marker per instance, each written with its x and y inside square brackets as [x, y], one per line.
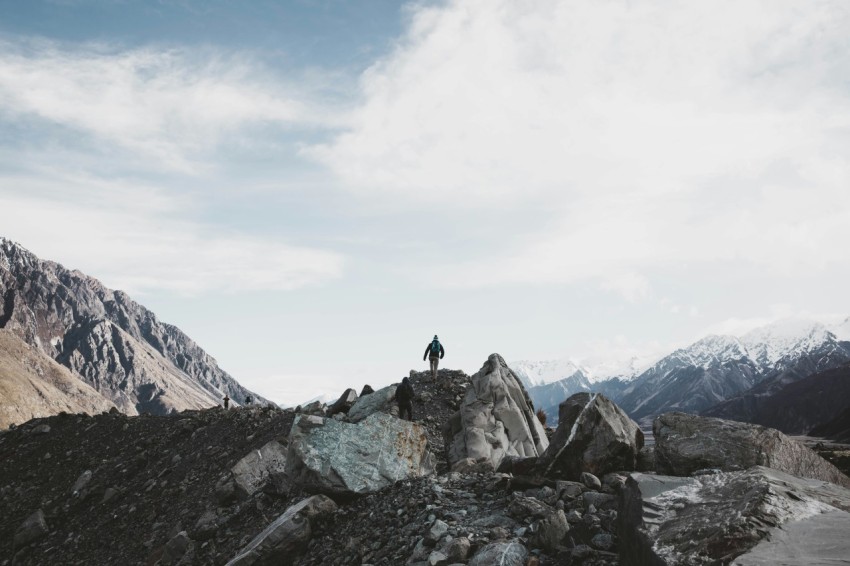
[32, 529]
[313, 408]
[283, 540]
[496, 419]
[687, 443]
[550, 531]
[594, 435]
[510, 553]
[344, 403]
[336, 457]
[382, 400]
[256, 468]
[758, 516]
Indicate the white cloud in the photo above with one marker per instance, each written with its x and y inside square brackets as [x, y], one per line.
[658, 133]
[169, 105]
[138, 240]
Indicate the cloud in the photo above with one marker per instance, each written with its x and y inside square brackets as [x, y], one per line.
[138, 240]
[170, 105]
[653, 133]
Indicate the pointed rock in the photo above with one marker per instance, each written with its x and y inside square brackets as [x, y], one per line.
[496, 419]
[594, 435]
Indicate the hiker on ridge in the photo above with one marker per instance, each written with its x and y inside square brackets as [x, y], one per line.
[434, 352]
[226, 401]
[404, 397]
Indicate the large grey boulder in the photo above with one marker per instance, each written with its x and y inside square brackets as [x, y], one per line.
[256, 468]
[331, 456]
[686, 443]
[758, 516]
[282, 541]
[594, 436]
[496, 419]
[511, 553]
[381, 401]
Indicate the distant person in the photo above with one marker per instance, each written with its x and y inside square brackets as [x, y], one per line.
[249, 400]
[226, 402]
[434, 352]
[404, 397]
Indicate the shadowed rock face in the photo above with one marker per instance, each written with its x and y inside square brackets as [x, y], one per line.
[594, 435]
[758, 516]
[496, 419]
[687, 443]
[336, 457]
[118, 346]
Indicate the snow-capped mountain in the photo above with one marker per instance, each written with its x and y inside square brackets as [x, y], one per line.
[592, 369]
[703, 374]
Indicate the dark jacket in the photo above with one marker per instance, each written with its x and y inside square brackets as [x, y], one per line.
[428, 351]
[404, 392]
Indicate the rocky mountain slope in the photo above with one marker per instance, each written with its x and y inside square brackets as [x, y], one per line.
[32, 385]
[115, 345]
[793, 408]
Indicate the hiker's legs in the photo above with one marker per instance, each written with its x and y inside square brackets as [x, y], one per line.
[434, 361]
[405, 409]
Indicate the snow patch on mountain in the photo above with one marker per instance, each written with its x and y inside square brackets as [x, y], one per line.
[592, 369]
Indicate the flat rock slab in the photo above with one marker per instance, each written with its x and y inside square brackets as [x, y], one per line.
[757, 516]
[687, 443]
[287, 536]
[336, 457]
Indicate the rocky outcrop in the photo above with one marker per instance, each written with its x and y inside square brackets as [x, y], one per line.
[686, 443]
[496, 419]
[759, 516]
[118, 346]
[511, 553]
[382, 400]
[331, 456]
[287, 536]
[594, 435]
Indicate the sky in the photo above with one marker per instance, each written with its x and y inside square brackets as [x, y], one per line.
[311, 189]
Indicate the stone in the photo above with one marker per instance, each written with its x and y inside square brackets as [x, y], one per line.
[496, 419]
[285, 538]
[594, 435]
[602, 541]
[437, 531]
[335, 457]
[569, 489]
[41, 429]
[687, 443]
[470, 466]
[175, 548]
[367, 390]
[226, 491]
[206, 526]
[344, 403]
[314, 408]
[757, 516]
[646, 459]
[382, 400]
[551, 531]
[437, 558]
[522, 507]
[511, 553]
[591, 481]
[81, 482]
[458, 550]
[31, 530]
[600, 501]
[254, 470]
